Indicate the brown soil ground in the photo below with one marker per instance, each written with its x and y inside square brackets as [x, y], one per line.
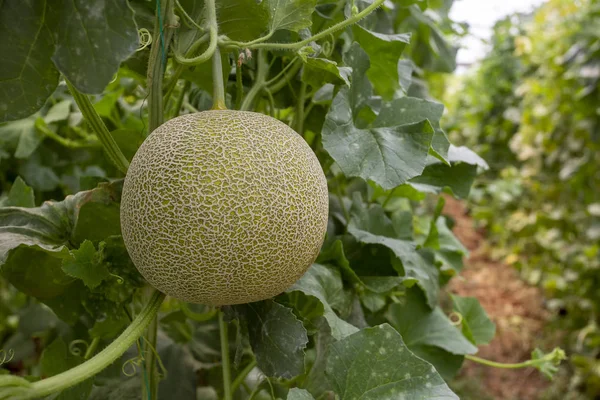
[515, 307]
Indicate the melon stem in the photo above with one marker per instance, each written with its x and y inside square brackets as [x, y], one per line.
[224, 337]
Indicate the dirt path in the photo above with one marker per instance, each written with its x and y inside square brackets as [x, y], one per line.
[514, 306]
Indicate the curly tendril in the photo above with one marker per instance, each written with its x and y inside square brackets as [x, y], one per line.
[119, 279]
[456, 319]
[6, 356]
[78, 351]
[133, 364]
[145, 38]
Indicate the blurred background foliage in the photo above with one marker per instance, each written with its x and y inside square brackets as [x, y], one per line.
[531, 109]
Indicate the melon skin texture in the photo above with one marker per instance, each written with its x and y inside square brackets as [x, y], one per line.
[224, 207]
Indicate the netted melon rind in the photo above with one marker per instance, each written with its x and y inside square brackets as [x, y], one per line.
[224, 207]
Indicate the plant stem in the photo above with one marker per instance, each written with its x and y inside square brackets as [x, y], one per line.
[91, 348]
[320, 35]
[261, 75]
[157, 64]
[299, 117]
[150, 392]
[101, 360]
[91, 116]
[242, 375]
[211, 16]
[73, 144]
[218, 86]
[225, 357]
[524, 364]
[179, 102]
[277, 86]
[239, 86]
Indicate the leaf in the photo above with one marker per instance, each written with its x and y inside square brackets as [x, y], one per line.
[58, 112]
[466, 155]
[299, 394]
[34, 241]
[384, 52]
[243, 20]
[406, 110]
[27, 75]
[429, 333]
[20, 195]
[20, 136]
[277, 337]
[247, 20]
[128, 140]
[416, 268]
[388, 156]
[476, 325]
[292, 15]
[326, 285]
[55, 359]
[86, 264]
[93, 38]
[314, 69]
[436, 177]
[375, 364]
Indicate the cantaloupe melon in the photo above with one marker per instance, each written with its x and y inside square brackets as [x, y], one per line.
[224, 207]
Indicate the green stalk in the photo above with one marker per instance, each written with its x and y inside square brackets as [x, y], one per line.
[299, 45]
[211, 16]
[101, 360]
[277, 86]
[299, 117]
[218, 86]
[101, 131]
[179, 102]
[224, 337]
[261, 75]
[239, 86]
[91, 348]
[242, 375]
[157, 64]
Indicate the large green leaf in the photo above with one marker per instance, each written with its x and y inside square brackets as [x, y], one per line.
[375, 364]
[248, 19]
[388, 156]
[93, 38]
[429, 333]
[27, 75]
[277, 337]
[384, 52]
[326, 285]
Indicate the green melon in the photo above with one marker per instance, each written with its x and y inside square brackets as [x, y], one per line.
[224, 207]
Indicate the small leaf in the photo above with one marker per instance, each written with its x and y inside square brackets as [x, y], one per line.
[326, 285]
[20, 195]
[314, 68]
[277, 337]
[437, 176]
[375, 364]
[476, 325]
[299, 394]
[92, 40]
[27, 75]
[548, 363]
[86, 264]
[384, 52]
[58, 112]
